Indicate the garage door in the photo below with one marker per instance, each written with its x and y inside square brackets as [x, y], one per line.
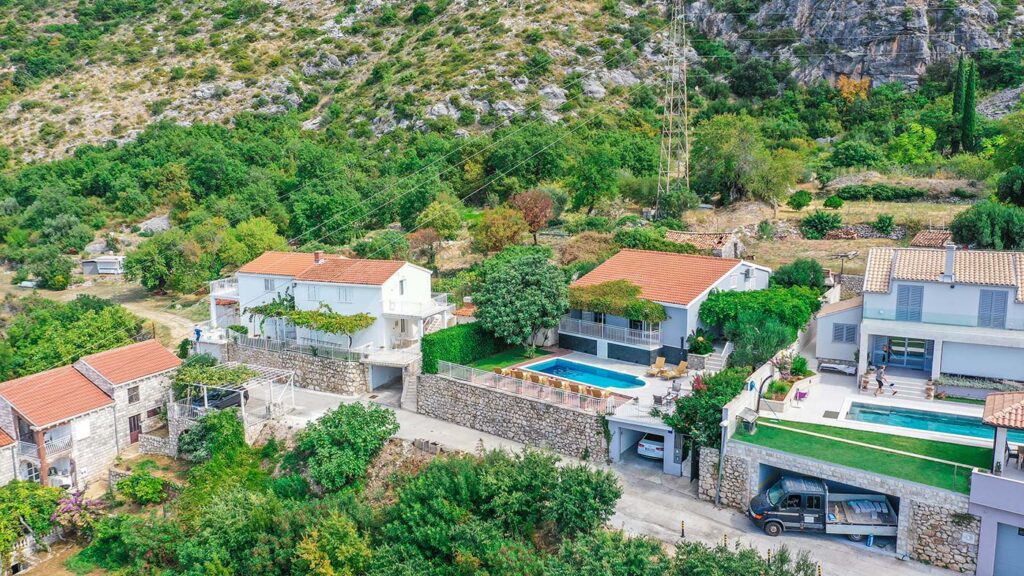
[1009, 551]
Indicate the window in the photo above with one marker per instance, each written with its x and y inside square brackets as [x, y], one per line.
[636, 325]
[403, 326]
[311, 292]
[908, 303]
[152, 413]
[792, 501]
[345, 295]
[268, 284]
[401, 287]
[30, 472]
[992, 309]
[844, 333]
[813, 503]
[133, 394]
[598, 317]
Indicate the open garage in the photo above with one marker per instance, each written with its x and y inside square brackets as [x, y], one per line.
[626, 434]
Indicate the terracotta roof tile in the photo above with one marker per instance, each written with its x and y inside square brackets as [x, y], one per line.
[345, 271]
[985, 267]
[700, 240]
[840, 306]
[466, 310]
[132, 362]
[662, 276]
[5, 440]
[53, 396]
[931, 238]
[1004, 409]
[283, 263]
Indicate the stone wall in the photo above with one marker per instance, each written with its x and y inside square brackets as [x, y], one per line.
[571, 432]
[150, 444]
[96, 451]
[696, 361]
[934, 525]
[8, 471]
[312, 372]
[735, 482]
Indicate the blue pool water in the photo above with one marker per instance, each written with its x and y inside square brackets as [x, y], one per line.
[926, 420]
[586, 374]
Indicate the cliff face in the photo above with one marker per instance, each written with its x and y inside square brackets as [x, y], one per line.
[885, 40]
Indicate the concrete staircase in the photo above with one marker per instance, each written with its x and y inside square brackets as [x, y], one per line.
[718, 359]
[905, 388]
[409, 397]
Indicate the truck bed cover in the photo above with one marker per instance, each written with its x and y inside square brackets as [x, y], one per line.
[860, 514]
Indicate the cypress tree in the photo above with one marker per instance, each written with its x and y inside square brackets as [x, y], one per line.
[969, 120]
[958, 102]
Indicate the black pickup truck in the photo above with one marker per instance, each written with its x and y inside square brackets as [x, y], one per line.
[805, 504]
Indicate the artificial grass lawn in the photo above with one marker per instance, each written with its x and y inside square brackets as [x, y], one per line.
[975, 401]
[502, 359]
[913, 469]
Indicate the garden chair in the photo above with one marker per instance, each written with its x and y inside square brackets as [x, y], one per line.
[677, 386]
[657, 367]
[799, 397]
[659, 400]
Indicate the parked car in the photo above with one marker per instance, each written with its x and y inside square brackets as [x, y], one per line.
[219, 398]
[651, 446]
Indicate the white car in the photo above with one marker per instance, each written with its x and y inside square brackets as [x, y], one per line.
[651, 446]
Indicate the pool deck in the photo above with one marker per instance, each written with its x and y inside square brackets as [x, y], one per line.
[828, 403]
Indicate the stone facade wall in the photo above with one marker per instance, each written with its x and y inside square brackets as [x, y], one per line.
[152, 394]
[149, 444]
[7, 419]
[735, 481]
[944, 536]
[7, 470]
[696, 361]
[571, 432]
[311, 372]
[94, 453]
[934, 525]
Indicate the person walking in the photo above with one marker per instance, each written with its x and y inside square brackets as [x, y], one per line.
[881, 381]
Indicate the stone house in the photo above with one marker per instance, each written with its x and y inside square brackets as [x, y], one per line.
[720, 244]
[8, 458]
[68, 424]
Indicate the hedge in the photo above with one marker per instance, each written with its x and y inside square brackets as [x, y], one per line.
[881, 192]
[462, 344]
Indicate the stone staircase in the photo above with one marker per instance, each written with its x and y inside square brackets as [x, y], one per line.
[409, 397]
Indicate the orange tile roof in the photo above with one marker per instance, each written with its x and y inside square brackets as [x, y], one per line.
[345, 271]
[132, 362]
[985, 267]
[700, 240]
[931, 238]
[5, 440]
[53, 396]
[662, 276]
[466, 310]
[1005, 410]
[840, 306]
[283, 263]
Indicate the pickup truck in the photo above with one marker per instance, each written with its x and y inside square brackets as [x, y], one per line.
[805, 504]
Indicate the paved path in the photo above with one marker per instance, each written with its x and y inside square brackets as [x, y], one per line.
[652, 503]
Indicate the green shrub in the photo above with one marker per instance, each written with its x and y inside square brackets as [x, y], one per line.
[799, 200]
[792, 306]
[700, 342]
[777, 389]
[817, 224]
[142, 487]
[834, 202]
[699, 414]
[618, 297]
[184, 347]
[588, 223]
[339, 445]
[799, 367]
[800, 272]
[239, 329]
[291, 486]
[765, 230]
[462, 344]
[880, 192]
[884, 224]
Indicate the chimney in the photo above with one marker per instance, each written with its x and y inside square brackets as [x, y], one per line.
[947, 273]
[318, 257]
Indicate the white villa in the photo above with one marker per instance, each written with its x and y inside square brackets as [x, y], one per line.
[933, 311]
[396, 293]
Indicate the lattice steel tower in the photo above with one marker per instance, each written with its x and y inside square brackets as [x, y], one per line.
[674, 159]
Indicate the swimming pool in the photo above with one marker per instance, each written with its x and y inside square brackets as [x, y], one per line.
[586, 374]
[925, 420]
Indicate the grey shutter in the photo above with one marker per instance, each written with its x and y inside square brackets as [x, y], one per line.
[838, 332]
[908, 303]
[992, 309]
[851, 333]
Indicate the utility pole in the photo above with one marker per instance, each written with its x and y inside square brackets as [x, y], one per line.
[674, 157]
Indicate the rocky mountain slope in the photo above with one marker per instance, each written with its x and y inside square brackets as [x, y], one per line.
[102, 70]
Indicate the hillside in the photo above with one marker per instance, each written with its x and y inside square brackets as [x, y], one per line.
[73, 74]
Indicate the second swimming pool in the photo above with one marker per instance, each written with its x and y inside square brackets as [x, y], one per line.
[926, 420]
[585, 373]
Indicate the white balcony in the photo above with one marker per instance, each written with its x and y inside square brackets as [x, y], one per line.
[438, 303]
[618, 334]
[52, 447]
[225, 288]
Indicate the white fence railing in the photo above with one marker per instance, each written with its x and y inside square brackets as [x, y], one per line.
[224, 287]
[531, 390]
[186, 411]
[53, 446]
[611, 333]
[305, 346]
[438, 303]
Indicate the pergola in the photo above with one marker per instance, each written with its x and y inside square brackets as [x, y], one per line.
[268, 394]
[1004, 411]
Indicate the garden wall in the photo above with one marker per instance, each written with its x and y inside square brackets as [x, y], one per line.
[934, 525]
[571, 432]
[311, 372]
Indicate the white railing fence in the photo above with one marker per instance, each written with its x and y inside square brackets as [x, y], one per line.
[528, 389]
[224, 286]
[612, 333]
[57, 445]
[306, 346]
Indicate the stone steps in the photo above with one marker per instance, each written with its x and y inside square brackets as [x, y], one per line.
[409, 395]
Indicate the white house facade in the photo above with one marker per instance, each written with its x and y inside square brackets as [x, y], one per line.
[679, 282]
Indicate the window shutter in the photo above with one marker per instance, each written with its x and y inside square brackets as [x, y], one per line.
[999, 303]
[851, 333]
[992, 309]
[909, 300]
[985, 309]
[838, 333]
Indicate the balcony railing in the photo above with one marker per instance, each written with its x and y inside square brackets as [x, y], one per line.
[618, 334]
[437, 303]
[943, 318]
[52, 447]
[306, 346]
[225, 287]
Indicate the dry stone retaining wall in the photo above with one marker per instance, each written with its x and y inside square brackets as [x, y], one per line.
[311, 372]
[571, 432]
[735, 481]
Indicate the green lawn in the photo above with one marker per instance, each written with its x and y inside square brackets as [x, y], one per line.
[946, 476]
[502, 359]
[962, 400]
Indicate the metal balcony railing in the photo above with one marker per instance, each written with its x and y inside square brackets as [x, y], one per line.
[227, 287]
[437, 303]
[618, 334]
[52, 447]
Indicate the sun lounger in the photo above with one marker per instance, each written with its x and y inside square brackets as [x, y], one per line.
[678, 372]
[657, 367]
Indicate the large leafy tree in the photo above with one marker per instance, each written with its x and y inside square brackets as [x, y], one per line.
[536, 207]
[594, 177]
[499, 228]
[340, 445]
[250, 239]
[520, 292]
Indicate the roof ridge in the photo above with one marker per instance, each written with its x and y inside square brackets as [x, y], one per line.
[680, 254]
